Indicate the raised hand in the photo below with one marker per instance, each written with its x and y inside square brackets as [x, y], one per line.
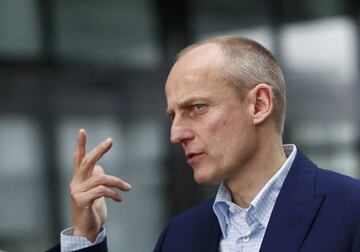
[89, 187]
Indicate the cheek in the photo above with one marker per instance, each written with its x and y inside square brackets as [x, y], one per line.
[224, 133]
[228, 128]
[222, 136]
[232, 136]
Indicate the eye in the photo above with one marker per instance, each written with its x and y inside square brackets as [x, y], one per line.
[198, 108]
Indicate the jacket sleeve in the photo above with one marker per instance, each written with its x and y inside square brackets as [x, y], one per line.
[160, 243]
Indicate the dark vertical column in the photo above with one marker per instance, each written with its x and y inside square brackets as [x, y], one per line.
[47, 121]
[353, 10]
[174, 29]
[276, 16]
[174, 34]
[46, 24]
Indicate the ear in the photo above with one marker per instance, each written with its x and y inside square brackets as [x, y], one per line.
[262, 101]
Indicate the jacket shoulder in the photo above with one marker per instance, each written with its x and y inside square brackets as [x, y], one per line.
[336, 183]
[180, 232]
[342, 195]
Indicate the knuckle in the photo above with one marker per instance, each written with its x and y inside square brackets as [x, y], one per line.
[73, 194]
[100, 149]
[103, 146]
[73, 190]
[85, 161]
[99, 179]
[102, 188]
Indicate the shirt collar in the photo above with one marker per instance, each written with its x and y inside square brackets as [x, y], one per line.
[221, 207]
[264, 201]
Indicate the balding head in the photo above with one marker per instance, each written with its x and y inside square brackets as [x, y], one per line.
[246, 63]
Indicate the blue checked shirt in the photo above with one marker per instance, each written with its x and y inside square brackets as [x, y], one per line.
[243, 229]
[69, 243]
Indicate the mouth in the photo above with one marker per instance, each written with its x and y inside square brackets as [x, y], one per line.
[193, 158]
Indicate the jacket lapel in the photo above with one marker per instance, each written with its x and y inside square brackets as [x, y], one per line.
[295, 209]
[207, 232]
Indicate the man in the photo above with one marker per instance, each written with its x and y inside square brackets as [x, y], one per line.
[226, 97]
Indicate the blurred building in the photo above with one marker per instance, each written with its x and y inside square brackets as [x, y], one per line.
[102, 65]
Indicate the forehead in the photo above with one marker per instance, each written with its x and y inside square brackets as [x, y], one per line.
[198, 71]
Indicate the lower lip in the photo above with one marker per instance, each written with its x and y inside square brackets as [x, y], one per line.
[194, 159]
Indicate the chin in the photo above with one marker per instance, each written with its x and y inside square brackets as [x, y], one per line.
[205, 179]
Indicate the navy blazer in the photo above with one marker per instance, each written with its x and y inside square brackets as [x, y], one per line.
[316, 210]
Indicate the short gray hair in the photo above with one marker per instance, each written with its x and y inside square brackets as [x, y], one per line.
[248, 63]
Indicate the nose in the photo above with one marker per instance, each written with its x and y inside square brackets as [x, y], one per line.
[180, 133]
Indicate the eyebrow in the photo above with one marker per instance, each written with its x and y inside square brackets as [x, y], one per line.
[187, 102]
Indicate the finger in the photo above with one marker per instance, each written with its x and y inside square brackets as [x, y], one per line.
[97, 192]
[106, 180]
[99, 171]
[88, 162]
[80, 148]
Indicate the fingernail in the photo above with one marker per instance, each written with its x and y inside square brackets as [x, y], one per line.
[127, 185]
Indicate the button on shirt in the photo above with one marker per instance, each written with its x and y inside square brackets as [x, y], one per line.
[243, 229]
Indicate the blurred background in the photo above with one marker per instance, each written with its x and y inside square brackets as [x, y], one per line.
[101, 65]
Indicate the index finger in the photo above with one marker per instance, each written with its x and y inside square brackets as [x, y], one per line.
[80, 149]
[90, 159]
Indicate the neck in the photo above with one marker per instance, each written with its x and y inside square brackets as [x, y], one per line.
[252, 176]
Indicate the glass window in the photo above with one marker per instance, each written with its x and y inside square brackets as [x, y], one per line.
[19, 29]
[21, 184]
[121, 32]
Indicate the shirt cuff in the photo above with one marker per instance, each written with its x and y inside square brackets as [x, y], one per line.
[69, 242]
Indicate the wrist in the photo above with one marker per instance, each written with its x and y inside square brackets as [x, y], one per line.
[91, 235]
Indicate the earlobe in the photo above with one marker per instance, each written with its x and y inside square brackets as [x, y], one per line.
[263, 103]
